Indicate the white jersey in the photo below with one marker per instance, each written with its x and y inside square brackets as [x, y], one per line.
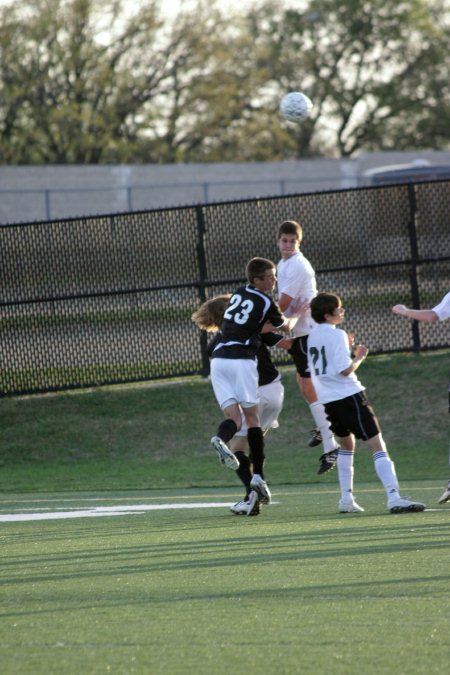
[443, 308]
[296, 278]
[328, 356]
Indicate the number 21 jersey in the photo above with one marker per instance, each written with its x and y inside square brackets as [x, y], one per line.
[328, 356]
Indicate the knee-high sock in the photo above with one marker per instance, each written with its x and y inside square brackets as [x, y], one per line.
[256, 444]
[244, 471]
[226, 430]
[345, 472]
[385, 469]
[322, 423]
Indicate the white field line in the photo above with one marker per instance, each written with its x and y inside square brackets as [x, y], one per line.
[134, 509]
[101, 511]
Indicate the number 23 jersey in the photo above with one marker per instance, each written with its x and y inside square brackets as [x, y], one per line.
[328, 356]
[246, 313]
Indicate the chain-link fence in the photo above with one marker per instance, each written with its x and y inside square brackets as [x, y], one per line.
[101, 300]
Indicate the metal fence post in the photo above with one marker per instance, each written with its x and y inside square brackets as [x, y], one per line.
[47, 204]
[202, 278]
[414, 262]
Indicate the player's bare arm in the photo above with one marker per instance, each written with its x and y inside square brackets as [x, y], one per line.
[284, 301]
[427, 315]
[360, 354]
[286, 327]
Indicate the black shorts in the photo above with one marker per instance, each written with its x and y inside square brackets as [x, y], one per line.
[353, 415]
[299, 353]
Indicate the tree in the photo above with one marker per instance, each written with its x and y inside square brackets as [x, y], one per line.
[377, 71]
[85, 82]
[91, 81]
[65, 98]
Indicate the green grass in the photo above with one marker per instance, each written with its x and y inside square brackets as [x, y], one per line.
[157, 436]
[300, 589]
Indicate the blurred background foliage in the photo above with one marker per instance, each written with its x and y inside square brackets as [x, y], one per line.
[113, 82]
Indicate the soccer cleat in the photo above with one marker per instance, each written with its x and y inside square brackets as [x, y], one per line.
[224, 454]
[346, 506]
[403, 505]
[256, 509]
[247, 507]
[327, 461]
[262, 489]
[316, 438]
[445, 497]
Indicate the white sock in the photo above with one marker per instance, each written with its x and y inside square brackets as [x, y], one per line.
[345, 473]
[385, 469]
[322, 423]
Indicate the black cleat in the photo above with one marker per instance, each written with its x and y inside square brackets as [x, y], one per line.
[316, 438]
[327, 461]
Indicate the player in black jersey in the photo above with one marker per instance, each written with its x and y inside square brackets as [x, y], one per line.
[270, 401]
[234, 373]
[209, 317]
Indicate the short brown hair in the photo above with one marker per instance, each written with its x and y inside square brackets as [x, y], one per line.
[257, 267]
[324, 303]
[291, 227]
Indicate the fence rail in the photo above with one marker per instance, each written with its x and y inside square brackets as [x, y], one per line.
[108, 299]
[62, 203]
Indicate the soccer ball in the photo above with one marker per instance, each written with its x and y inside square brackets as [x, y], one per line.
[295, 106]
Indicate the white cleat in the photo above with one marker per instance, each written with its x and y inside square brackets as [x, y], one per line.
[224, 454]
[247, 507]
[403, 505]
[346, 506]
[261, 487]
[445, 497]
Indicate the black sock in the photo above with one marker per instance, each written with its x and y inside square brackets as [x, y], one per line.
[226, 430]
[244, 471]
[256, 444]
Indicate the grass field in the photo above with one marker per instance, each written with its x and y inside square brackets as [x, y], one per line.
[300, 589]
[119, 553]
[157, 437]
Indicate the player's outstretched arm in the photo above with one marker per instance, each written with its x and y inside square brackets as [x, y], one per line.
[426, 315]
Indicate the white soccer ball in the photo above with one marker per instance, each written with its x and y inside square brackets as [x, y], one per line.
[295, 106]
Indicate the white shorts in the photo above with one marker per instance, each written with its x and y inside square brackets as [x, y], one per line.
[235, 381]
[271, 397]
